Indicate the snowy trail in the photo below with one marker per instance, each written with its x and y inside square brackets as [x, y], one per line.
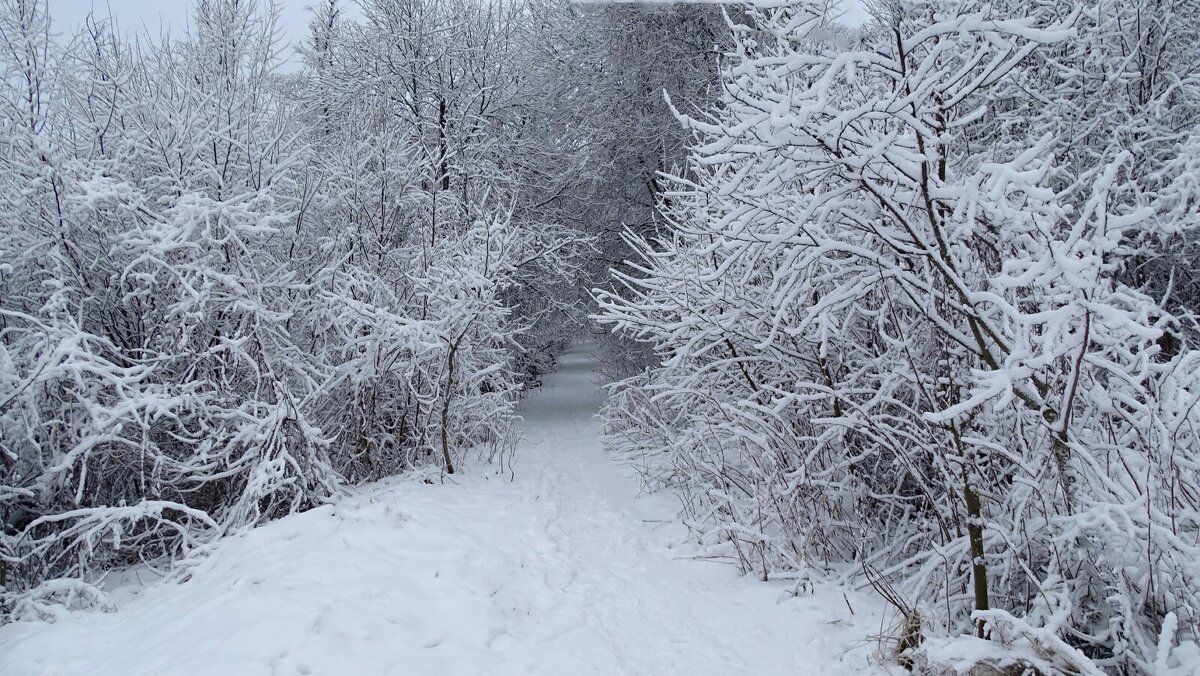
[563, 571]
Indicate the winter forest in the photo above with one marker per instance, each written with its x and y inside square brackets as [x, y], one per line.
[548, 336]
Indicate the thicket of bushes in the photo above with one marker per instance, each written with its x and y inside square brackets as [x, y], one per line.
[925, 311]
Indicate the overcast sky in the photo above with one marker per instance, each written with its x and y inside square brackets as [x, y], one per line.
[152, 16]
[141, 16]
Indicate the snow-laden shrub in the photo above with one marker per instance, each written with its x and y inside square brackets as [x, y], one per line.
[218, 305]
[897, 327]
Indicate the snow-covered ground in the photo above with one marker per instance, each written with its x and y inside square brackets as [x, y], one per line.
[561, 570]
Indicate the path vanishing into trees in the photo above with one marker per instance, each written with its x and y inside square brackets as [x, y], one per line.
[561, 568]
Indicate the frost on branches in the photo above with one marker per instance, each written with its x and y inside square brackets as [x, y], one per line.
[226, 291]
[925, 318]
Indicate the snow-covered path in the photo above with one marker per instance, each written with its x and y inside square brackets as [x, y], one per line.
[563, 570]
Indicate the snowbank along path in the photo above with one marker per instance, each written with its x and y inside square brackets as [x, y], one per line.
[561, 570]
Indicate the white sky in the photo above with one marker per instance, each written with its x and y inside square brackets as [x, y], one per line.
[150, 16]
[140, 17]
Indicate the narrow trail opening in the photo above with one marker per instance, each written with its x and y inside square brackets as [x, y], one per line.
[563, 569]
